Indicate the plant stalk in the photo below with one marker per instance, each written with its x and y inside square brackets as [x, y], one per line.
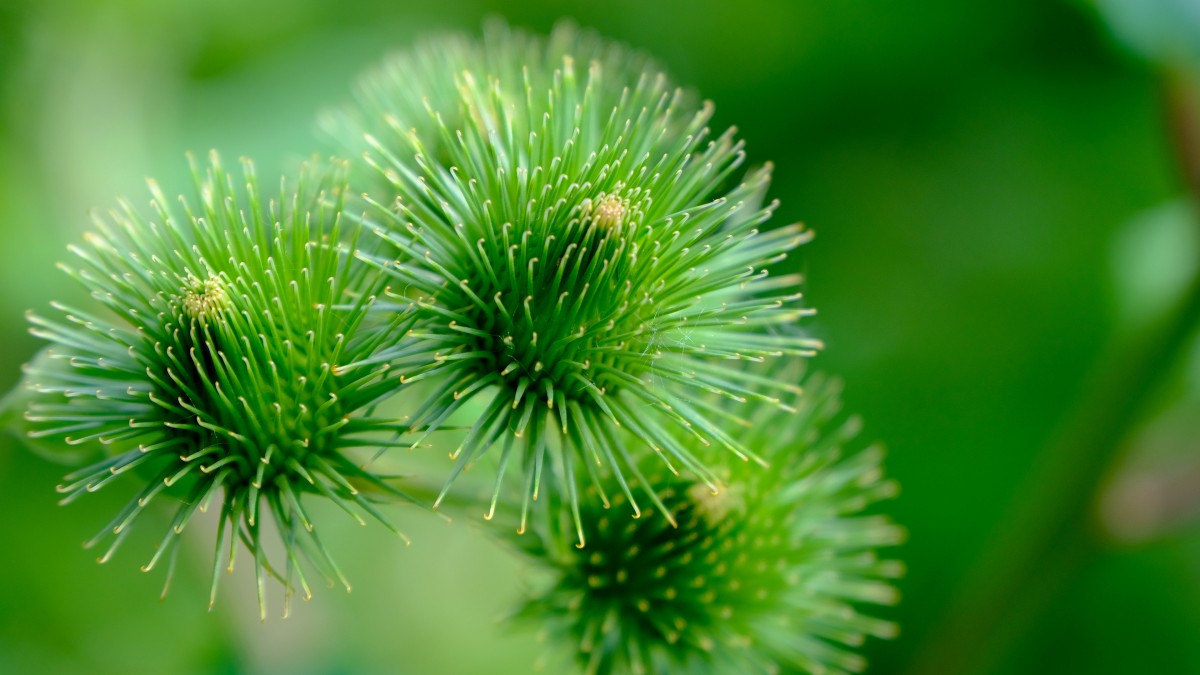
[1052, 531]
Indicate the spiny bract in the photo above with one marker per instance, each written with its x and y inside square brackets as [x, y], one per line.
[412, 89]
[585, 257]
[210, 364]
[758, 578]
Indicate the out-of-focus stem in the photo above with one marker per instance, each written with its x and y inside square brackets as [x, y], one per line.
[1182, 102]
[1052, 530]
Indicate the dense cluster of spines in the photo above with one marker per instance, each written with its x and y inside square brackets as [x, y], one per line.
[214, 365]
[761, 577]
[413, 88]
[584, 256]
[565, 251]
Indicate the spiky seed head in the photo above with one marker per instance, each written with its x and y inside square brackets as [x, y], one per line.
[588, 257]
[763, 576]
[222, 357]
[421, 88]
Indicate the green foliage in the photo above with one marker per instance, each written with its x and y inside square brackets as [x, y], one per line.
[586, 255]
[209, 361]
[758, 577]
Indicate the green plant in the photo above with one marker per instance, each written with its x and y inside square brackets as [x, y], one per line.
[758, 577]
[589, 258]
[227, 352]
[566, 257]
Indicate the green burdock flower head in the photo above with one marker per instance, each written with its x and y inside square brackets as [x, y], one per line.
[587, 256]
[214, 360]
[422, 88]
[761, 577]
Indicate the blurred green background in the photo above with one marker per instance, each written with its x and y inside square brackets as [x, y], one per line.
[996, 202]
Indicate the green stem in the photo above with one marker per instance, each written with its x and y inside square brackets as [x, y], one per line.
[1052, 531]
[1053, 525]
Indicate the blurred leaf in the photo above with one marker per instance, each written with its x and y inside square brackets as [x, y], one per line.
[1154, 257]
[1164, 31]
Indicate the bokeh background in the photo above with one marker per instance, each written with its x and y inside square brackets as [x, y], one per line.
[999, 214]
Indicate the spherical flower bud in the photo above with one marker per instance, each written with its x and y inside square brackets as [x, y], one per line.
[223, 357]
[765, 575]
[589, 259]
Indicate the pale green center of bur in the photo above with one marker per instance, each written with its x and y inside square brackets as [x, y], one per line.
[205, 301]
[608, 211]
